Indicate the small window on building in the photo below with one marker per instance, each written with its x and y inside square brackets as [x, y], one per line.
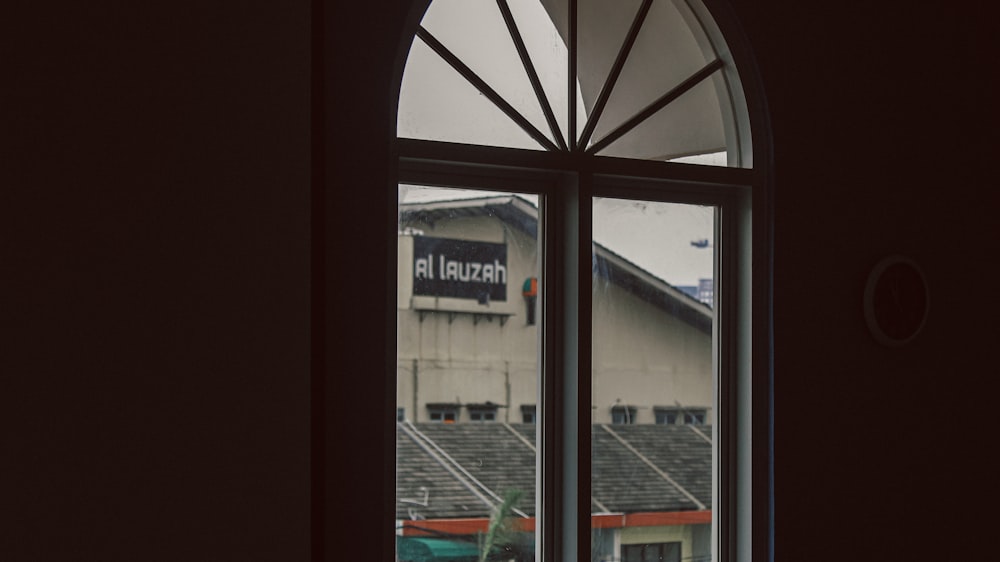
[666, 416]
[443, 413]
[482, 412]
[400, 414]
[695, 417]
[659, 552]
[670, 415]
[481, 415]
[528, 413]
[623, 415]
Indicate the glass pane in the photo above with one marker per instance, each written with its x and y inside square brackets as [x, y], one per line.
[476, 33]
[467, 374]
[438, 103]
[666, 52]
[603, 27]
[690, 125]
[549, 55]
[653, 384]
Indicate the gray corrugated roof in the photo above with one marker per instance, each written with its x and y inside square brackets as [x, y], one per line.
[678, 451]
[490, 458]
[420, 476]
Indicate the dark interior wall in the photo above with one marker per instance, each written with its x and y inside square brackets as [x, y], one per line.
[154, 193]
[359, 226]
[884, 127]
[155, 201]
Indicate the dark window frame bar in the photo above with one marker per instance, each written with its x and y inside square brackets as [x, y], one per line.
[484, 88]
[615, 72]
[529, 69]
[657, 105]
[502, 169]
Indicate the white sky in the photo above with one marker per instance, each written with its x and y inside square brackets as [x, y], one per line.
[437, 103]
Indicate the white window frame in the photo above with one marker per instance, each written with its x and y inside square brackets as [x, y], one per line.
[567, 183]
[566, 195]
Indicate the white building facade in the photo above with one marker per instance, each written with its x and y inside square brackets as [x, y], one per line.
[469, 313]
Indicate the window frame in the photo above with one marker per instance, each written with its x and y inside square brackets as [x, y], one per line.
[680, 415]
[482, 413]
[566, 197]
[630, 413]
[529, 410]
[660, 548]
[695, 417]
[659, 411]
[743, 285]
[442, 410]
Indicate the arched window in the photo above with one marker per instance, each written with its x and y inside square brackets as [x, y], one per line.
[582, 259]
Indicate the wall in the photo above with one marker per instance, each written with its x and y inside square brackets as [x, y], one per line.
[683, 534]
[884, 124]
[467, 358]
[646, 357]
[154, 218]
[155, 250]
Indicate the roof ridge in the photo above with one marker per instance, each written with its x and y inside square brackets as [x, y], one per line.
[424, 443]
[535, 450]
[655, 468]
[520, 437]
[468, 479]
[700, 433]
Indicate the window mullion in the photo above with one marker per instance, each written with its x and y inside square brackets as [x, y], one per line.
[550, 467]
[484, 88]
[566, 392]
[613, 74]
[584, 310]
[657, 105]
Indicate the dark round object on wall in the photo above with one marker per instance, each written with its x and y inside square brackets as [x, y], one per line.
[896, 301]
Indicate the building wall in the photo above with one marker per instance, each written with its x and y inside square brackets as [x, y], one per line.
[643, 356]
[692, 548]
[155, 219]
[453, 351]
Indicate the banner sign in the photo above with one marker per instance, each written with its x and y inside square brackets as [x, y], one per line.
[443, 267]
